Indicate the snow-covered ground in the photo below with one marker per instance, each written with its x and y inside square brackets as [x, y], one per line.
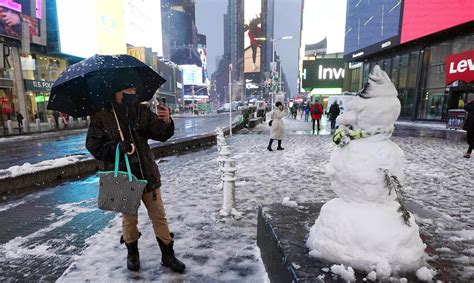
[438, 189]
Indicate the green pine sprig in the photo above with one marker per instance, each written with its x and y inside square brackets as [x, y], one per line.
[393, 184]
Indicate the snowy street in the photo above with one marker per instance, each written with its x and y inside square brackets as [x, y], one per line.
[60, 232]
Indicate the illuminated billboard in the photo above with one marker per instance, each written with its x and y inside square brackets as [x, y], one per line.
[322, 74]
[252, 31]
[143, 24]
[14, 13]
[323, 27]
[421, 18]
[192, 75]
[371, 26]
[91, 27]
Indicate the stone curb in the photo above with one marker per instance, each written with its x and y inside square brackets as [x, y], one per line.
[53, 176]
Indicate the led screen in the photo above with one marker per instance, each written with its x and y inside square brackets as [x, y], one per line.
[323, 26]
[143, 24]
[252, 31]
[421, 18]
[14, 13]
[90, 27]
[371, 26]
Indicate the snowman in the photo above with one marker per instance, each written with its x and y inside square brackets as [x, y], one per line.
[367, 227]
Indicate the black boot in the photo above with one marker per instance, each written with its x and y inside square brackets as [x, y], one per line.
[269, 147]
[167, 256]
[133, 257]
[279, 145]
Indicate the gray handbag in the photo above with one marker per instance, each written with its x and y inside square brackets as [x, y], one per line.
[118, 190]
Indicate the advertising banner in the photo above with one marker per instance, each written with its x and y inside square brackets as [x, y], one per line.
[38, 86]
[421, 17]
[371, 26]
[14, 12]
[460, 67]
[252, 31]
[323, 26]
[322, 73]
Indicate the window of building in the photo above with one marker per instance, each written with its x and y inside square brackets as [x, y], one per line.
[433, 104]
[434, 101]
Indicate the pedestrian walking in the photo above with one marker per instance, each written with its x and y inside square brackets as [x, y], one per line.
[19, 119]
[307, 109]
[334, 111]
[316, 112]
[277, 131]
[469, 127]
[138, 125]
[56, 118]
[294, 110]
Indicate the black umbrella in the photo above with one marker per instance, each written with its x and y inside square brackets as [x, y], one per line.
[88, 86]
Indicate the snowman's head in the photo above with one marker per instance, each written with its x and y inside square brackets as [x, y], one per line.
[378, 85]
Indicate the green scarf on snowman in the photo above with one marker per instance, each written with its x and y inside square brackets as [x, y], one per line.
[345, 135]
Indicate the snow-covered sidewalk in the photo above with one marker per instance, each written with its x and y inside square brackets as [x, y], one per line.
[438, 187]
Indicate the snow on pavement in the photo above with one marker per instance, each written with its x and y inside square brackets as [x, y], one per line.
[214, 248]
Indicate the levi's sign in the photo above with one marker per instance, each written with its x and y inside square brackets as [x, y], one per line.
[322, 73]
[460, 67]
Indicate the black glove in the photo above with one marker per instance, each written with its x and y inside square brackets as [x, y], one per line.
[125, 146]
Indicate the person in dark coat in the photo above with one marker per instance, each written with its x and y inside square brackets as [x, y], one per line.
[316, 112]
[307, 109]
[334, 111]
[469, 127]
[19, 119]
[138, 124]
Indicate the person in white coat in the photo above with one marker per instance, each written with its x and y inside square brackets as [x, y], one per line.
[277, 131]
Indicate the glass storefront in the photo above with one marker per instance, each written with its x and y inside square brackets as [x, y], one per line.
[39, 76]
[433, 99]
[436, 98]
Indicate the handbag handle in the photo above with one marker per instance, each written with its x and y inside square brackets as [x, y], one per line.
[117, 161]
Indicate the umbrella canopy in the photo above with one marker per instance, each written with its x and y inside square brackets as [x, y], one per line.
[88, 86]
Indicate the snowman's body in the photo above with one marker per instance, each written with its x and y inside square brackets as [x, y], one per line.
[362, 228]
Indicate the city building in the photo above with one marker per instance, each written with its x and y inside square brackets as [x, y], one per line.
[26, 69]
[427, 49]
[321, 50]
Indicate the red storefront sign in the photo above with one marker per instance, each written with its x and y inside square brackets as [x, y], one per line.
[7, 106]
[460, 67]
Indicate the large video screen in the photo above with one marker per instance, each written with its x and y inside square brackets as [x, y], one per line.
[143, 24]
[252, 33]
[371, 26]
[421, 17]
[13, 13]
[322, 73]
[323, 26]
[91, 27]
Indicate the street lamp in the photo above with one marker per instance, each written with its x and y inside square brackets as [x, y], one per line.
[273, 57]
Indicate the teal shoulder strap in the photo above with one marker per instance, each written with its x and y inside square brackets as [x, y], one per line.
[117, 161]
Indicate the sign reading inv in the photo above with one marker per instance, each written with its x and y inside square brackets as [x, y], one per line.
[330, 73]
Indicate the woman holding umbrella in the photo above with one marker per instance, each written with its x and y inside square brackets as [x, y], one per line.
[121, 121]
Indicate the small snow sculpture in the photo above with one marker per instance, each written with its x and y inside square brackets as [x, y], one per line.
[367, 226]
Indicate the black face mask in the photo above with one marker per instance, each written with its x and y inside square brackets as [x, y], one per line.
[129, 99]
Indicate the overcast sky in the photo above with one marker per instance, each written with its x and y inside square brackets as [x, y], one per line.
[209, 21]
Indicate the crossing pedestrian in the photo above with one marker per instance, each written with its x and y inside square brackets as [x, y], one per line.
[138, 124]
[277, 131]
[316, 112]
[334, 111]
[469, 127]
[19, 119]
[307, 109]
